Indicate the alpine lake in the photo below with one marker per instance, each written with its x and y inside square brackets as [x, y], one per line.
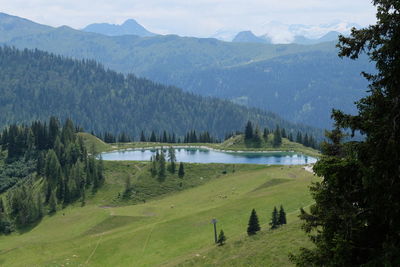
[206, 155]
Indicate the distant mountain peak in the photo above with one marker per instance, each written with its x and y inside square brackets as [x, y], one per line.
[130, 22]
[249, 37]
[129, 27]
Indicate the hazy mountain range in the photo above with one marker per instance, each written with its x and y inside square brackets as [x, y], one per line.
[250, 37]
[302, 83]
[280, 33]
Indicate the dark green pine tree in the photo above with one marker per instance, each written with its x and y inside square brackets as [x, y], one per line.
[221, 238]
[52, 203]
[355, 220]
[248, 132]
[172, 160]
[253, 226]
[274, 219]
[54, 130]
[299, 138]
[161, 165]
[153, 137]
[52, 172]
[282, 216]
[40, 163]
[265, 134]
[142, 137]
[257, 139]
[283, 133]
[277, 141]
[181, 171]
[153, 166]
[165, 137]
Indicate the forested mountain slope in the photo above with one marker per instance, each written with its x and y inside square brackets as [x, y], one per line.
[302, 87]
[37, 85]
[299, 82]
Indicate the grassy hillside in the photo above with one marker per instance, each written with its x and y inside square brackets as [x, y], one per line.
[170, 230]
[237, 143]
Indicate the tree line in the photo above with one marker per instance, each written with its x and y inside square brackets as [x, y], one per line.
[63, 171]
[165, 137]
[254, 137]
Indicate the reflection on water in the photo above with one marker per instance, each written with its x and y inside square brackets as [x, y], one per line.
[196, 155]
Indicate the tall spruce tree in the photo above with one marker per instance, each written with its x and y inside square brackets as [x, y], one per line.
[277, 141]
[171, 159]
[357, 205]
[248, 132]
[282, 216]
[274, 219]
[161, 164]
[253, 226]
[181, 171]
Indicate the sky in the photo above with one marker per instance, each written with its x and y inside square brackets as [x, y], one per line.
[200, 18]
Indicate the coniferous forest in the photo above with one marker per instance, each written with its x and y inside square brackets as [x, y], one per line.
[45, 166]
[37, 85]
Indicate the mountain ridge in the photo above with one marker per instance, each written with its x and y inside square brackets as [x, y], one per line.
[129, 27]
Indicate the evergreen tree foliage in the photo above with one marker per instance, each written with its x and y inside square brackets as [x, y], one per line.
[52, 203]
[355, 220]
[63, 167]
[257, 139]
[181, 171]
[274, 219]
[153, 137]
[221, 238]
[248, 132]
[265, 134]
[172, 159]
[101, 100]
[161, 165]
[142, 137]
[253, 226]
[282, 216]
[277, 141]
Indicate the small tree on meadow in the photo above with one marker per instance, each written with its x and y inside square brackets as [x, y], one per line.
[275, 219]
[221, 238]
[171, 159]
[253, 226]
[282, 216]
[181, 171]
[161, 165]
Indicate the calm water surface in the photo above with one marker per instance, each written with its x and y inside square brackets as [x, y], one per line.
[197, 155]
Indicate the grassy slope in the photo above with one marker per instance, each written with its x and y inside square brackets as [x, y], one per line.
[169, 230]
[235, 143]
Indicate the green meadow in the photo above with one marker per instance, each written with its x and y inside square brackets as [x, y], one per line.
[170, 226]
